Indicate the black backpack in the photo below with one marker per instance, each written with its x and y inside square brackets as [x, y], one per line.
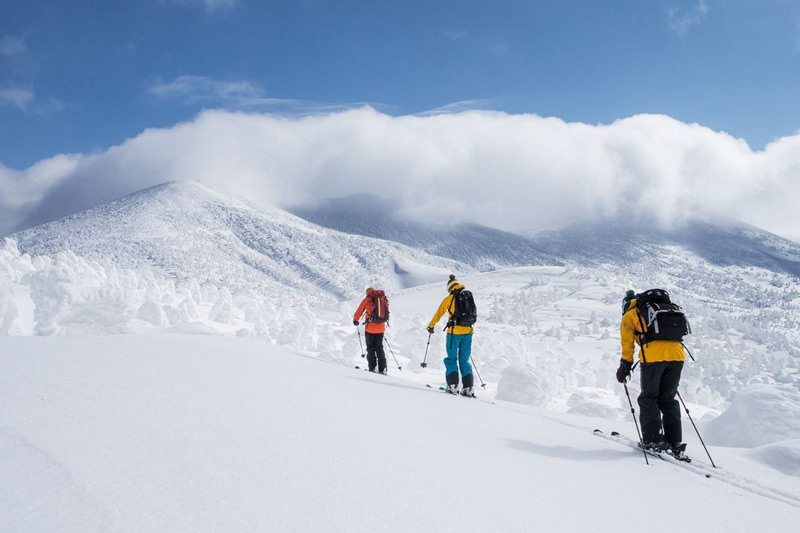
[661, 319]
[464, 311]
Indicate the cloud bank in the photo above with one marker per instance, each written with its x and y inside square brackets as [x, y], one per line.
[515, 172]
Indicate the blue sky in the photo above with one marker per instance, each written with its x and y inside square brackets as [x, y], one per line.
[80, 76]
[666, 109]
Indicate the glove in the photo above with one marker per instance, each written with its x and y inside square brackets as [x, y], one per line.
[430, 330]
[355, 322]
[624, 370]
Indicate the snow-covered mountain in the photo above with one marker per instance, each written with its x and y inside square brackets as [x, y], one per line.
[183, 256]
[190, 232]
[631, 241]
[479, 246]
[628, 243]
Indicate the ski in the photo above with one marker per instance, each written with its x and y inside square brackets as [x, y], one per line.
[368, 370]
[634, 444]
[444, 390]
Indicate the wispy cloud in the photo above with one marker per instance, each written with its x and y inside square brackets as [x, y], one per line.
[458, 107]
[17, 97]
[13, 46]
[204, 90]
[682, 20]
[455, 35]
[24, 99]
[209, 5]
[499, 49]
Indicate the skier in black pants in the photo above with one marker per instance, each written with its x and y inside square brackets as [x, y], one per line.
[373, 330]
[661, 366]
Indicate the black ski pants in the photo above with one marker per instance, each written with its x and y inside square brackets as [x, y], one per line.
[375, 355]
[658, 408]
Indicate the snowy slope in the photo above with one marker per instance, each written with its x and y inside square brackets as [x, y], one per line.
[184, 258]
[635, 242]
[188, 231]
[188, 433]
[479, 246]
[155, 430]
[622, 243]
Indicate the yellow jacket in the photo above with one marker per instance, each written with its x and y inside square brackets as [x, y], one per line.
[652, 352]
[448, 306]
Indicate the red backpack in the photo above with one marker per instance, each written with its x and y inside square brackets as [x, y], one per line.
[378, 307]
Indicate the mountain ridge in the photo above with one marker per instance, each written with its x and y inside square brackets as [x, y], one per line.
[616, 242]
[187, 230]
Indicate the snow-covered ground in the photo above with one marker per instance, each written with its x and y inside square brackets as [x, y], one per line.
[179, 360]
[211, 433]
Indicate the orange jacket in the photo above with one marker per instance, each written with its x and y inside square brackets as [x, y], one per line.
[366, 307]
[655, 351]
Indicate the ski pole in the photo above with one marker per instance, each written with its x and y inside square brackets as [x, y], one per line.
[695, 428]
[476, 371]
[688, 351]
[359, 341]
[633, 413]
[423, 364]
[386, 341]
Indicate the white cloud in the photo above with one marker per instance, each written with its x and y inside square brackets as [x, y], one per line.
[455, 35]
[18, 97]
[219, 4]
[457, 107]
[204, 90]
[24, 99]
[12, 46]
[517, 172]
[21, 190]
[209, 5]
[682, 20]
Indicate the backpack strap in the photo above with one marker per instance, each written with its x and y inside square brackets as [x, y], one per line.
[641, 334]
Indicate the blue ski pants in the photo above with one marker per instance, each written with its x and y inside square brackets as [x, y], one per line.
[459, 348]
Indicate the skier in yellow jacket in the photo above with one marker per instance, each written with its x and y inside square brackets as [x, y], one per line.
[661, 366]
[459, 341]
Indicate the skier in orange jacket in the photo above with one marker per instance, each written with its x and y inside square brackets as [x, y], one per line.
[375, 307]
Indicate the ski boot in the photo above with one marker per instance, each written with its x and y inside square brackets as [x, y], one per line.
[468, 392]
[451, 389]
[656, 446]
[678, 451]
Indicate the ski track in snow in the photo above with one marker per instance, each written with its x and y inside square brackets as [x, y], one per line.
[719, 473]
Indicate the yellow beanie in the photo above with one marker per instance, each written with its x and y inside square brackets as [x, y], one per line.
[452, 283]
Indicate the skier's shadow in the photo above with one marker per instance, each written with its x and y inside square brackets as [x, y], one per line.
[566, 452]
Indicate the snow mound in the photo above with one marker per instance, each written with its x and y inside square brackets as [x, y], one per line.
[593, 402]
[523, 384]
[759, 415]
[783, 456]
